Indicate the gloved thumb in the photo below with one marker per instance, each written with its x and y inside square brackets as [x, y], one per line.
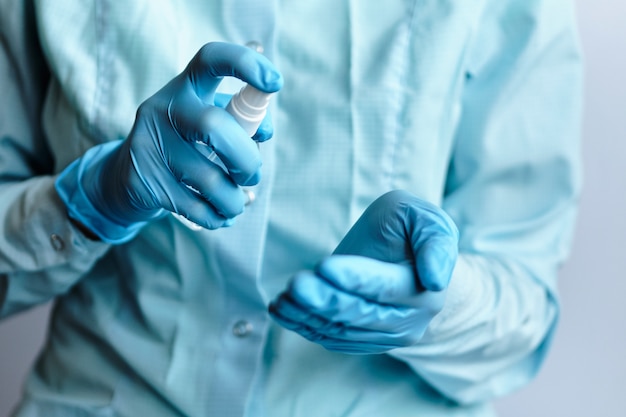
[434, 262]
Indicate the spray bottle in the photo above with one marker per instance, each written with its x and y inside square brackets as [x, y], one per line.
[248, 106]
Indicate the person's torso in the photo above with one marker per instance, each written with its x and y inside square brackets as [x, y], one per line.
[175, 322]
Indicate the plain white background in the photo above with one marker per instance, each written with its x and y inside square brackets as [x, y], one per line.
[585, 374]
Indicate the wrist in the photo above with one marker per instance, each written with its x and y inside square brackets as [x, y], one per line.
[85, 197]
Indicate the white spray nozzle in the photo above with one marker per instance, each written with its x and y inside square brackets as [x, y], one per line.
[248, 107]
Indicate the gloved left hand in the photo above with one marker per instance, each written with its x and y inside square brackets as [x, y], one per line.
[382, 286]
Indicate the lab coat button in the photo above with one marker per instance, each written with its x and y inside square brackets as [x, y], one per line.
[242, 328]
[255, 46]
[57, 242]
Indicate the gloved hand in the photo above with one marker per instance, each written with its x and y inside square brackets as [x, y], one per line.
[117, 187]
[382, 286]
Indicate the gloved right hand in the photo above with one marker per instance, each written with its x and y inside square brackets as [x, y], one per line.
[382, 286]
[117, 187]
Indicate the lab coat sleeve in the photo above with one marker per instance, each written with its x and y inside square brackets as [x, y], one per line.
[513, 184]
[41, 254]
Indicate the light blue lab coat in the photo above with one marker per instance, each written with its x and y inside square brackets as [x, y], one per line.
[472, 105]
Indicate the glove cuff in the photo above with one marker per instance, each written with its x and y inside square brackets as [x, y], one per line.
[80, 208]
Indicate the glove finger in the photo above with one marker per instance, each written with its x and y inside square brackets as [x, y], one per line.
[294, 317]
[354, 348]
[217, 59]
[303, 329]
[318, 297]
[380, 282]
[348, 346]
[189, 204]
[281, 314]
[203, 215]
[208, 181]
[217, 129]
[369, 278]
[297, 327]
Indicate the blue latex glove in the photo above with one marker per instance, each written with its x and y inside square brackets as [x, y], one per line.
[117, 187]
[382, 286]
